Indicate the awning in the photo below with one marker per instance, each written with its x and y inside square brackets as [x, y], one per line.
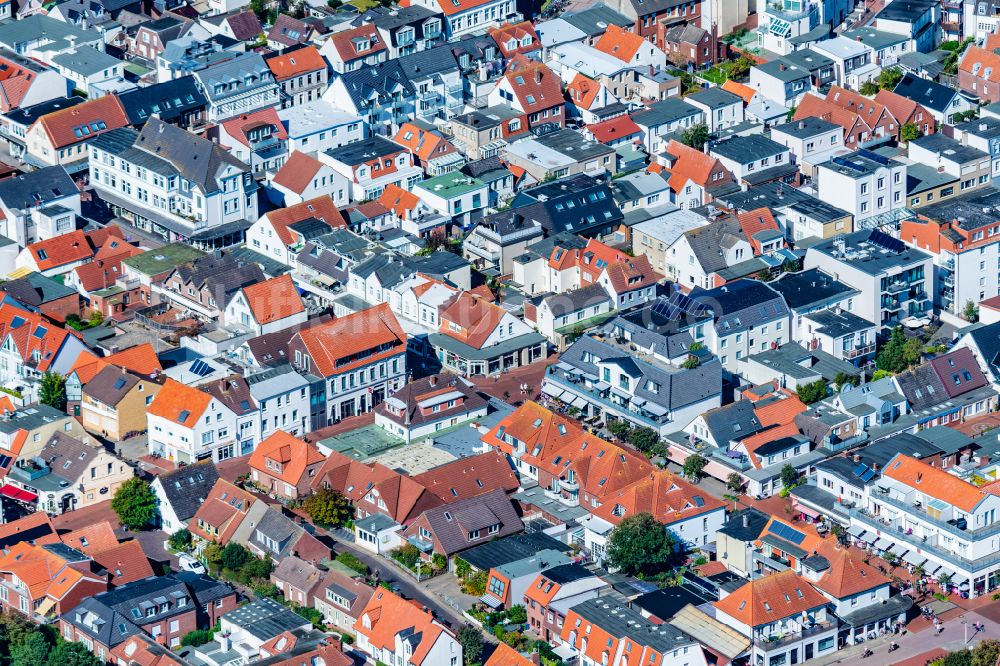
[898, 549]
[555, 393]
[565, 651]
[602, 386]
[883, 543]
[48, 603]
[932, 568]
[914, 558]
[580, 403]
[491, 601]
[807, 511]
[654, 409]
[867, 537]
[620, 392]
[16, 493]
[856, 531]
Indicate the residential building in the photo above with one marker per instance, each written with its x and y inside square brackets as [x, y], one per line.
[114, 403]
[405, 30]
[341, 599]
[180, 492]
[722, 109]
[942, 102]
[477, 337]
[355, 48]
[811, 141]
[453, 195]
[61, 137]
[242, 84]
[464, 523]
[554, 591]
[531, 89]
[867, 185]
[371, 165]
[154, 178]
[29, 574]
[963, 241]
[561, 153]
[257, 139]
[471, 17]
[188, 424]
[265, 307]
[425, 406]
[284, 466]
[391, 628]
[274, 234]
[895, 281]
[755, 159]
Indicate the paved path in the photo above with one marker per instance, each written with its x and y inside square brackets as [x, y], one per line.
[913, 644]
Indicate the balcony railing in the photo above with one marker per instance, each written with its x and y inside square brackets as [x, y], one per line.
[896, 287]
[774, 642]
[859, 350]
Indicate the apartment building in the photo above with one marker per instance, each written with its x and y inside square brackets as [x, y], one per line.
[865, 184]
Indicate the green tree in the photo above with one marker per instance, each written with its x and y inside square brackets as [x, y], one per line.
[913, 350]
[741, 67]
[67, 653]
[620, 428]
[909, 132]
[519, 615]
[971, 312]
[644, 439]
[960, 658]
[813, 392]
[898, 353]
[471, 640]
[690, 363]
[32, 651]
[213, 553]
[889, 78]
[639, 544]
[843, 379]
[234, 556]
[52, 390]
[880, 374]
[180, 540]
[789, 476]
[259, 7]
[734, 482]
[693, 466]
[695, 136]
[328, 508]
[135, 504]
[986, 653]
[259, 568]
[868, 88]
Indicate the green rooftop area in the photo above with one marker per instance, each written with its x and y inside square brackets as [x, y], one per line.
[363, 443]
[163, 259]
[450, 185]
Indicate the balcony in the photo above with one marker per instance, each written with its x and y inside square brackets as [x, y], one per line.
[948, 279]
[405, 40]
[489, 255]
[430, 96]
[859, 350]
[896, 287]
[775, 642]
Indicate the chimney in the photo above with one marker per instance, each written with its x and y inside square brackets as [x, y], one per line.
[781, 67]
[652, 70]
[746, 519]
[538, 76]
[434, 380]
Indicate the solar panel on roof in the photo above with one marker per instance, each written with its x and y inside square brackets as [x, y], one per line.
[787, 533]
[886, 241]
[200, 368]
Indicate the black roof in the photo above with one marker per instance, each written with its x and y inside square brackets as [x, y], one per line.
[592, 208]
[810, 287]
[905, 10]
[365, 150]
[666, 603]
[932, 95]
[878, 454]
[170, 100]
[26, 115]
[510, 549]
[567, 573]
[187, 488]
[745, 525]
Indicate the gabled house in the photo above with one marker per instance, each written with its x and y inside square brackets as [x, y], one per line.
[187, 424]
[240, 85]
[31, 346]
[45, 581]
[181, 492]
[631, 48]
[516, 38]
[430, 149]
[274, 233]
[942, 102]
[113, 403]
[950, 388]
[462, 524]
[222, 513]
[257, 138]
[27, 200]
[285, 466]
[381, 95]
[341, 599]
[288, 32]
[301, 74]
[692, 175]
[477, 337]
[352, 49]
[302, 178]
[425, 406]
[273, 535]
[532, 89]
[61, 137]
[553, 592]
[396, 629]
[371, 164]
[266, 306]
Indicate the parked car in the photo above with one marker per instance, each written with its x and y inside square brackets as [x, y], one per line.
[190, 563]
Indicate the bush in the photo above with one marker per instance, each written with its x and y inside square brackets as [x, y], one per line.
[197, 637]
[347, 639]
[311, 614]
[351, 561]
[234, 556]
[180, 540]
[439, 562]
[408, 555]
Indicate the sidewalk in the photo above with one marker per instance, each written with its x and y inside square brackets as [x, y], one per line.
[914, 644]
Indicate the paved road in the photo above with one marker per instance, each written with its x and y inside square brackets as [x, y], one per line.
[409, 587]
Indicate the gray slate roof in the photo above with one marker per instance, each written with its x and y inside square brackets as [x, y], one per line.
[187, 487]
[27, 189]
[741, 305]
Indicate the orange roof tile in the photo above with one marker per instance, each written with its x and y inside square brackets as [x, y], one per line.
[753, 222]
[848, 574]
[297, 172]
[126, 562]
[38, 525]
[583, 91]
[321, 208]
[387, 615]
[60, 250]
[92, 539]
[239, 126]
[542, 590]
[536, 86]
[399, 201]
[297, 62]
[813, 106]
[425, 144]
[694, 166]
[505, 655]
[273, 300]
[615, 128]
[631, 274]
[982, 63]
[293, 454]
[662, 493]
[867, 109]
[901, 108]
[179, 403]
[345, 337]
[35, 339]
[84, 121]
[469, 477]
[744, 91]
[475, 316]
[346, 41]
[224, 509]
[934, 482]
[771, 598]
[619, 43]
[510, 37]
[104, 271]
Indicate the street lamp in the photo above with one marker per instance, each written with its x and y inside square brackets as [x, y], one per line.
[965, 629]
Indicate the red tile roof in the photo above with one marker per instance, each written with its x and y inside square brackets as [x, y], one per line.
[620, 43]
[662, 493]
[240, 126]
[83, 121]
[388, 615]
[293, 454]
[475, 317]
[813, 106]
[516, 32]
[694, 166]
[179, 403]
[536, 86]
[60, 250]
[425, 144]
[296, 63]
[35, 340]
[505, 655]
[770, 599]
[345, 337]
[469, 477]
[583, 91]
[740, 89]
[934, 482]
[126, 563]
[274, 299]
[615, 128]
[297, 173]
[321, 208]
[399, 201]
[753, 222]
[631, 274]
[345, 42]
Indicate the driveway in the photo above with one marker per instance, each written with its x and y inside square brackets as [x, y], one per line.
[445, 587]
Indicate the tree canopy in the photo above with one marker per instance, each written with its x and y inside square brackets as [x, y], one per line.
[695, 136]
[693, 466]
[640, 544]
[898, 353]
[135, 504]
[813, 392]
[328, 507]
[52, 390]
